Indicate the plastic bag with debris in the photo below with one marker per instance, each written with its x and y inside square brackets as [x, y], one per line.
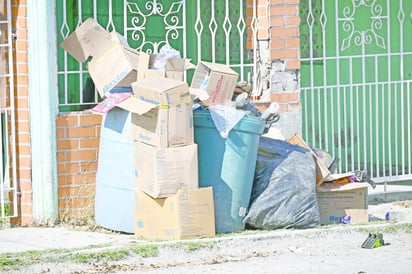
[284, 189]
[158, 61]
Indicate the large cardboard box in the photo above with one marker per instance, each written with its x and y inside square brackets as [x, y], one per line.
[113, 63]
[187, 214]
[155, 91]
[164, 126]
[337, 201]
[218, 80]
[322, 172]
[162, 91]
[161, 172]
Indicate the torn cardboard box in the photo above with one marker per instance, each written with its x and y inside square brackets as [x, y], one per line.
[187, 214]
[113, 63]
[217, 80]
[164, 126]
[153, 92]
[322, 172]
[161, 172]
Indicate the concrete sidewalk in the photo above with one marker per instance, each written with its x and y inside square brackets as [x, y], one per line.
[65, 237]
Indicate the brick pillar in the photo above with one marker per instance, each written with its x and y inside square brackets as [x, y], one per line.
[284, 32]
[22, 141]
[277, 23]
[78, 139]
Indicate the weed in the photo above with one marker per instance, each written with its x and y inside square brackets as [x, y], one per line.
[392, 228]
[9, 262]
[109, 255]
[193, 246]
[146, 250]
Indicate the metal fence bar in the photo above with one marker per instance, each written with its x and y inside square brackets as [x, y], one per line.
[8, 180]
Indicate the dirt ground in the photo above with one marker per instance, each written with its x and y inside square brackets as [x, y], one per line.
[329, 249]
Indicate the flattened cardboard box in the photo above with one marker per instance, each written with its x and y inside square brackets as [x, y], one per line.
[187, 214]
[336, 201]
[164, 126]
[161, 172]
[218, 80]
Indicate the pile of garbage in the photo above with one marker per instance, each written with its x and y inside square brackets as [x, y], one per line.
[297, 186]
[293, 184]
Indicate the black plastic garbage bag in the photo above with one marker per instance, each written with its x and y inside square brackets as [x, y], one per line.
[284, 188]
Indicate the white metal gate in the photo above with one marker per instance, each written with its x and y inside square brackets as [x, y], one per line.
[215, 31]
[356, 83]
[8, 178]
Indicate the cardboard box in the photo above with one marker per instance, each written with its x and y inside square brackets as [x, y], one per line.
[161, 172]
[337, 201]
[322, 172]
[155, 91]
[217, 80]
[187, 214]
[113, 63]
[162, 91]
[164, 126]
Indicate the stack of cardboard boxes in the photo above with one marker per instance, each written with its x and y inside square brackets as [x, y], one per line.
[169, 204]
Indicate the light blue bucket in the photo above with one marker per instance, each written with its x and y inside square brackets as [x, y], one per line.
[114, 201]
[228, 165]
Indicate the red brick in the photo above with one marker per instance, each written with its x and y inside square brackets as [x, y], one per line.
[67, 121]
[283, 54]
[292, 64]
[68, 144]
[90, 142]
[283, 10]
[88, 166]
[81, 155]
[293, 43]
[283, 32]
[90, 119]
[78, 132]
[277, 21]
[293, 21]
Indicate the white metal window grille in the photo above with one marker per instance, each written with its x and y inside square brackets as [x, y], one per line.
[8, 178]
[356, 84]
[213, 31]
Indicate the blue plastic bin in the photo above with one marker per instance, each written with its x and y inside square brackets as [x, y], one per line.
[114, 201]
[228, 165]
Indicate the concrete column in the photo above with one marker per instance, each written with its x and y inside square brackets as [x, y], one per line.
[43, 102]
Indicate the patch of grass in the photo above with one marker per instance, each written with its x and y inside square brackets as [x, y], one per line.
[193, 246]
[109, 255]
[392, 228]
[20, 259]
[16, 260]
[8, 262]
[146, 250]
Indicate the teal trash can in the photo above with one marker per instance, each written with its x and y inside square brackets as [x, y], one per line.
[228, 165]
